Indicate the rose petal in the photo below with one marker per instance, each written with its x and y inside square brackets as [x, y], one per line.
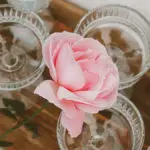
[74, 125]
[89, 65]
[91, 80]
[66, 37]
[102, 62]
[69, 96]
[89, 43]
[61, 39]
[89, 54]
[47, 56]
[88, 108]
[109, 83]
[57, 50]
[87, 95]
[104, 102]
[50, 48]
[69, 108]
[48, 90]
[103, 71]
[99, 84]
[69, 37]
[69, 72]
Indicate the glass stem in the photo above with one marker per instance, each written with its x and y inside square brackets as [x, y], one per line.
[25, 121]
[91, 121]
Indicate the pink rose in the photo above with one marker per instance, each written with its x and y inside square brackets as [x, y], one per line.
[84, 78]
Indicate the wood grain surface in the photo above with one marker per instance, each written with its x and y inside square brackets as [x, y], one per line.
[66, 12]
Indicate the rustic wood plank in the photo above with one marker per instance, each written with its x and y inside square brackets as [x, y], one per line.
[22, 138]
[66, 12]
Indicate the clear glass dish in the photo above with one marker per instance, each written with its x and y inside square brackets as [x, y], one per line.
[118, 128]
[21, 37]
[126, 34]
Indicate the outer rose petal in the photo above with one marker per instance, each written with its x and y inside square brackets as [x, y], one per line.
[108, 100]
[64, 94]
[89, 54]
[87, 95]
[105, 62]
[67, 37]
[74, 125]
[61, 38]
[57, 50]
[99, 84]
[47, 55]
[69, 72]
[48, 90]
[51, 46]
[89, 43]
[105, 68]
[88, 108]
[109, 83]
[68, 96]
[69, 108]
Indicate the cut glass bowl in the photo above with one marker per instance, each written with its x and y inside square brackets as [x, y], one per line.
[125, 33]
[21, 37]
[118, 128]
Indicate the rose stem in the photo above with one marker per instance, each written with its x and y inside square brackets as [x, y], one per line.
[25, 121]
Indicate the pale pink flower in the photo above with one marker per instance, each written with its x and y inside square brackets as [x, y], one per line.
[84, 78]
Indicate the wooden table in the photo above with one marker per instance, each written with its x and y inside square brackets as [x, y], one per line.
[47, 120]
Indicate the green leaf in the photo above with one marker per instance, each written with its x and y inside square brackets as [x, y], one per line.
[33, 128]
[5, 144]
[8, 113]
[14, 105]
